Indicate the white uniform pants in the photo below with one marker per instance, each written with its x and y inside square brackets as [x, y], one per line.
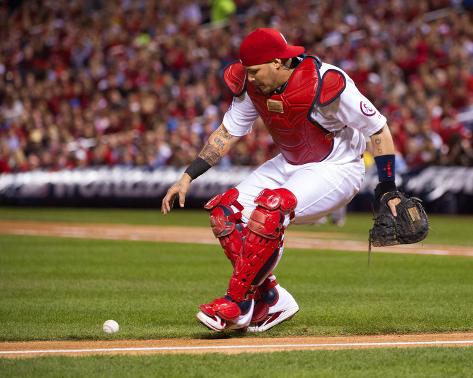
[320, 188]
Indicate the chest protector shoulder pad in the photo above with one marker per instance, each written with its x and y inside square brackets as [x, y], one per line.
[234, 77]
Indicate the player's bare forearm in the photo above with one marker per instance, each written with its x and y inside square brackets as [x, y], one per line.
[219, 143]
[382, 143]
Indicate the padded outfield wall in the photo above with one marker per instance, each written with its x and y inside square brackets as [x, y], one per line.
[443, 189]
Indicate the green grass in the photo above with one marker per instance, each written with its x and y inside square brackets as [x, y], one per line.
[58, 288]
[154, 217]
[383, 363]
[455, 230]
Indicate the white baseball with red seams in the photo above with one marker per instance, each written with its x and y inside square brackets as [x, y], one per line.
[110, 326]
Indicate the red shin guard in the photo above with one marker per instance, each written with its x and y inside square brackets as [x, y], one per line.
[261, 246]
[226, 224]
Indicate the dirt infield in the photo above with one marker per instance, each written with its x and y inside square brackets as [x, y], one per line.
[315, 240]
[296, 239]
[228, 346]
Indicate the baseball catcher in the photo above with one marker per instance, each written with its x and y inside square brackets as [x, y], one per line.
[320, 122]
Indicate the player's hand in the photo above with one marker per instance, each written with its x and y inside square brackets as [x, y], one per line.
[179, 189]
[379, 192]
[392, 205]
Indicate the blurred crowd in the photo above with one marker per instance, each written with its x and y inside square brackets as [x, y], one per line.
[138, 82]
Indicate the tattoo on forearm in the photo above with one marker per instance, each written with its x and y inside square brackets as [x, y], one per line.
[377, 145]
[210, 154]
[214, 149]
[220, 143]
[223, 133]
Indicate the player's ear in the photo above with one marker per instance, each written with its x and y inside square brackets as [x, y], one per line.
[277, 63]
[282, 63]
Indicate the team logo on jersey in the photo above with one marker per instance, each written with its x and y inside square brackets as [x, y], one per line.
[275, 106]
[366, 109]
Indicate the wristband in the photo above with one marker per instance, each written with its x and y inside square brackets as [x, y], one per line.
[385, 165]
[197, 167]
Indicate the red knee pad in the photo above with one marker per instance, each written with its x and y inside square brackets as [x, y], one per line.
[263, 241]
[226, 224]
[222, 217]
[281, 198]
[268, 217]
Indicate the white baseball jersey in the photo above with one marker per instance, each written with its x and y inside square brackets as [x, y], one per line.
[319, 187]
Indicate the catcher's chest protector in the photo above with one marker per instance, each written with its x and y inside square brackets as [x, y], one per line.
[287, 115]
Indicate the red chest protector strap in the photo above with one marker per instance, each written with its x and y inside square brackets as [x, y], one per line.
[234, 77]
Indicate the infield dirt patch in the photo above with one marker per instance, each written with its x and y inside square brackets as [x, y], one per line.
[203, 235]
[228, 346]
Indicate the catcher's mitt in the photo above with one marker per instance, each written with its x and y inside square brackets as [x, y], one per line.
[410, 226]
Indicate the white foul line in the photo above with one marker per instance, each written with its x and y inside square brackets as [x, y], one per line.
[265, 346]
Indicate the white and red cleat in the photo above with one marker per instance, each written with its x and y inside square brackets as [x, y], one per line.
[223, 314]
[274, 307]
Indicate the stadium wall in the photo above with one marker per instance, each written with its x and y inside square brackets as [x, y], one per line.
[443, 189]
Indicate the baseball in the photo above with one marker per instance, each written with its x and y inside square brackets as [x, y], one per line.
[110, 326]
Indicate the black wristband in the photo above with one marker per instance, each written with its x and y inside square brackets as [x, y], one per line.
[197, 167]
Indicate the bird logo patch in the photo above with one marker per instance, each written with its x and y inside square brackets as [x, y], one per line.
[367, 109]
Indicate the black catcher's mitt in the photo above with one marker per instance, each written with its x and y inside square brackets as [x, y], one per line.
[410, 226]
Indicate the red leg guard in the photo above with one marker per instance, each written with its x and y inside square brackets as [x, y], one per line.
[226, 224]
[262, 244]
